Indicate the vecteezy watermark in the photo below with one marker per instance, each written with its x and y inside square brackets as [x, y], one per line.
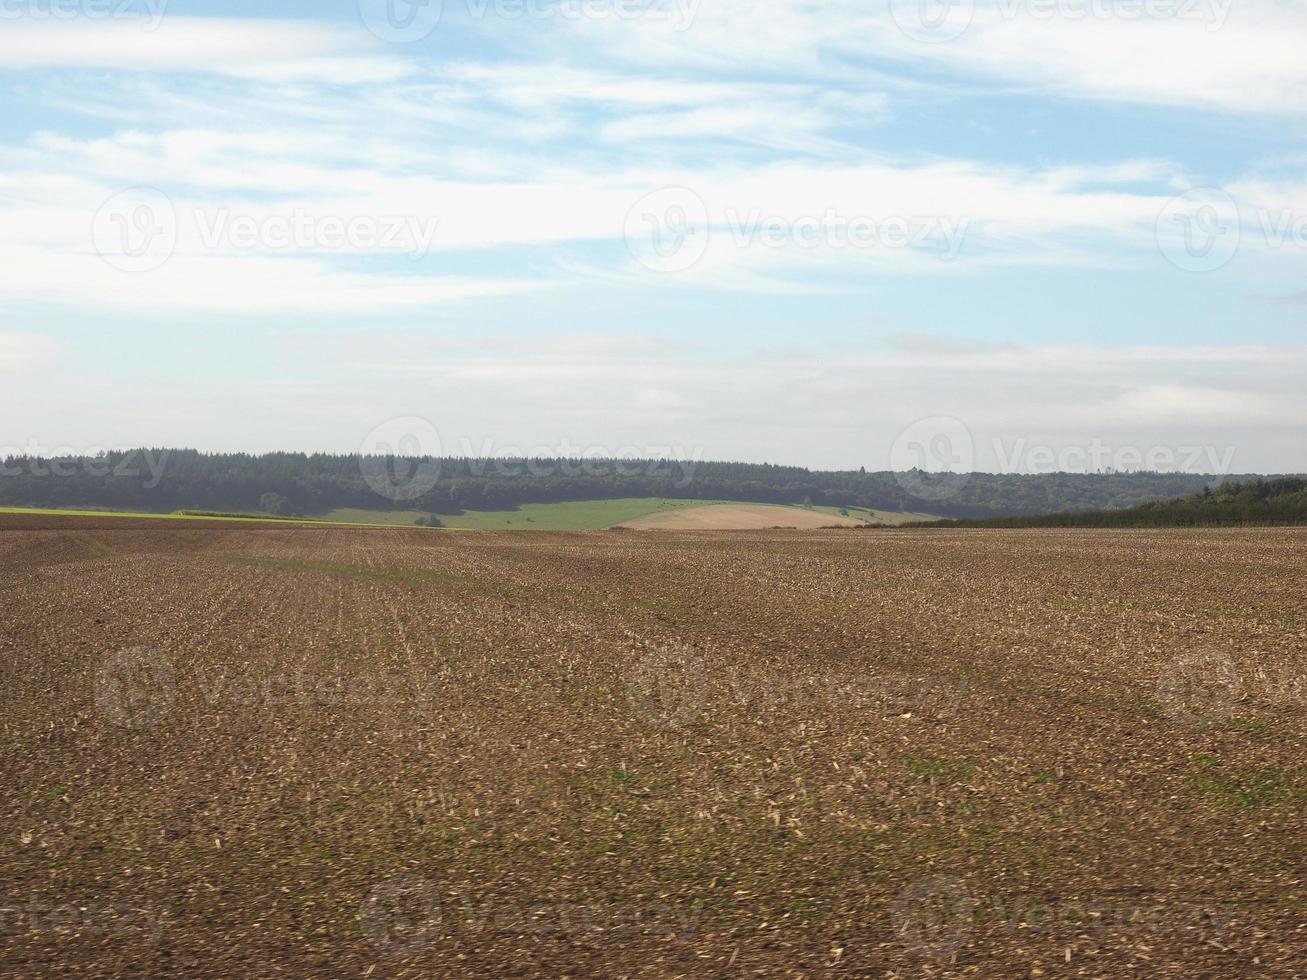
[667, 686]
[1100, 456]
[568, 459]
[272, 688]
[405, 915]
[401, 21]
[1204, 228]
[136, 230]
[136, 688]
[407, 21]
[1200, 688]
[45, 462]
[679, 14]
[941, 234]
[140, 229]
[940, 21]
[933, 917]
[574, 919]
[400, 458]
[667, 229]
[1203, 687]
[220, 229]
[1097, 915]
[1199, 230]
[933, 458]
[932, 21]
[670, 230]
[402, 915]
[762, 690]
[149, 13]
[80, 918]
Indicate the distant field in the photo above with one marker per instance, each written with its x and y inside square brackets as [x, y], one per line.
[369, 521]
[739, 517]
[579, 515]
[572, 515]
[752, 517]
[105, 512]
[576, 515]
[867, 515]
[357, 515]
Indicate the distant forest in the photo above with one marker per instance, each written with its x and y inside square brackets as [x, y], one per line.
[1277, 501]
[299, 484]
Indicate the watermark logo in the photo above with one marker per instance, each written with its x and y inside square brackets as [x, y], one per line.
[135, 688]
[302, 230]
[1200, 688]
[401, 21]
[667, 687]
[1060, 920]
[826, 691]
[932, 21]
[402, 915]
[406, 21]
[941, 234]
[399, 458]
[1204, 228]
[568, 459]
[1199, 230]
[939, 21]
[667, 230]
[1098, 456]
[220, 685]
[150, 13]
[81, 918]
[933, 917]
[933, 457]
[136, 229]
[59, 462]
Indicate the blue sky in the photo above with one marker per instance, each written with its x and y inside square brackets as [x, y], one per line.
[786, 231]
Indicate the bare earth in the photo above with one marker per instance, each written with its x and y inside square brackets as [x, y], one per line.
[739, 517]
[260, 751]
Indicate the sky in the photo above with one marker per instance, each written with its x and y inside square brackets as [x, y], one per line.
[1016, 235]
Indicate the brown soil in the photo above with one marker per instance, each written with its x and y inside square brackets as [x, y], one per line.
[308, 751]
[739, 517]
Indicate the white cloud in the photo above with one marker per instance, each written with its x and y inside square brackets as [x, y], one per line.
[278, 50]
[1249, 60]
[835, 410]
[20, 351]
[961, 215]
[1209, 53]
[223, 284]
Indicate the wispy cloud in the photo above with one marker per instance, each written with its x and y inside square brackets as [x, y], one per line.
[281, 50]
[1202, 53]
[20, 351]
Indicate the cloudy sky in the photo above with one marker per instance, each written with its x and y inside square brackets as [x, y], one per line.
[821, 232]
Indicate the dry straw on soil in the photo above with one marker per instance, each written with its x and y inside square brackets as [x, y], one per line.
[255, 751]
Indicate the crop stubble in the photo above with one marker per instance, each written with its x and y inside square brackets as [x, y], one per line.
[328, 751]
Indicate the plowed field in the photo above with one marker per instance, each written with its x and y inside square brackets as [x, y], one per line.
[732, 517]
[256, 750]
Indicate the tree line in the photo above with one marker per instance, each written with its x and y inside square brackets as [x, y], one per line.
[1279, 501]
[161, 480]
